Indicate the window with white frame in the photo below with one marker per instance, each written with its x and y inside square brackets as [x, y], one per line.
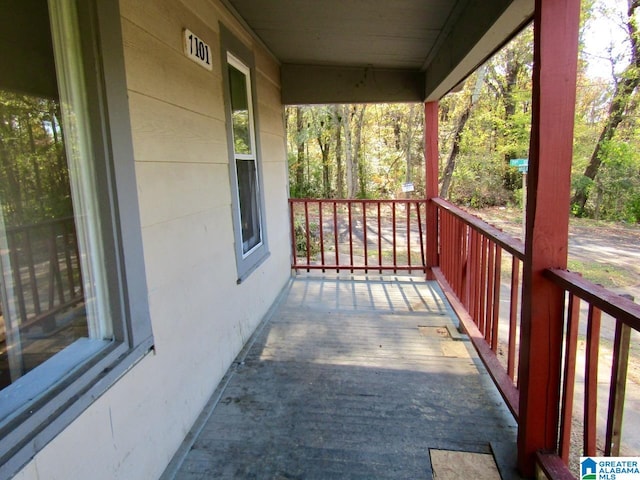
[247, 200]
[67, 292]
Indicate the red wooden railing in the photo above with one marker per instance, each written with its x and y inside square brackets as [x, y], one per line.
[472, 268]
[479, 267]
[363, 235]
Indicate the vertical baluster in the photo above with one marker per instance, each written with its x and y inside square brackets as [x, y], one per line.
[408, 211]
[364, 236]
[449, 245]
[470, 270]
[513, 316]
[336, 234]
[497, 280]
[490, 306]
[307, 236]
[465, 264]
[569, 376]
[459, 255]
[591, 381]
[617, 388]
[379, 240]
[321, 226]
[444, 241]
[350, 235]
[478, 278]
[395, 246]
[420, 236]
[482, 312]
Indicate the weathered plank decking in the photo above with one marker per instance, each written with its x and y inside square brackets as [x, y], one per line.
[353, 377]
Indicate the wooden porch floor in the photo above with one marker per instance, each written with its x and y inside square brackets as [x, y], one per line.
[351, 377]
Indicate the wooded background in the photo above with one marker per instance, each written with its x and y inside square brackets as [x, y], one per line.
[370, 151]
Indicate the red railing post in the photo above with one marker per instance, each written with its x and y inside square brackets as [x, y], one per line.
[431, 184]
[556, 26]
[294, 247]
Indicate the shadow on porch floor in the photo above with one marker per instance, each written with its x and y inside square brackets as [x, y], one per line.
[351, 377]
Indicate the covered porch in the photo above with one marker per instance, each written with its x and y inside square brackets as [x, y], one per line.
[531, 353]
[347, 375]
[354, 376]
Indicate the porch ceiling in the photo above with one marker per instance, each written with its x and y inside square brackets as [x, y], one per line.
[334, 51]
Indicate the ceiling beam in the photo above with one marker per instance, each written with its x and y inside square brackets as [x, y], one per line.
[482, 29]
[314, 84]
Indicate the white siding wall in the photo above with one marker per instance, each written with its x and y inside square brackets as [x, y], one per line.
[200, 316]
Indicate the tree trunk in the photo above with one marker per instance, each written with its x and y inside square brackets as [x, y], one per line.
[513, 68]
[325, 147]
[300, 144]
[457, 136]
[622, 97]
[361, 180]
[339, 165]
[455, 149]
[351, 165]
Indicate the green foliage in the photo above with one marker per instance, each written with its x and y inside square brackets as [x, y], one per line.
[301, 238]
[632, 208]
[389, 152]
[617, 183]
[477, 183]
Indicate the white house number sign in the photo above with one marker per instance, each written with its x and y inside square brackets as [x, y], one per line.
[196, 49]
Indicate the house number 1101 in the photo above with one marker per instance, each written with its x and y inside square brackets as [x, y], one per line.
[196, 49]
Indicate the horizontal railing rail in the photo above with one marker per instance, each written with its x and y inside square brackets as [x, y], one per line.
[479, 270]
[358, 235]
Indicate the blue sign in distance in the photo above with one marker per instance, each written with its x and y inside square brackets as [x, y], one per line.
[521, 163]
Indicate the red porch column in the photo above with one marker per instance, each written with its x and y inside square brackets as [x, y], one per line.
[556, 25]
[431, 183]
